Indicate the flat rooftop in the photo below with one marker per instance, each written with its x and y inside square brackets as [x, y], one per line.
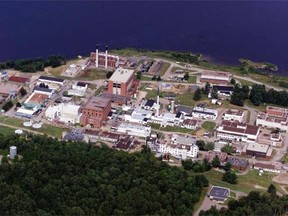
[7, 88]
[237, 127]
[258, 147]
[37, 98]
[219, 192]
[215, 74]
[97, 103]
[121, 75]
[234, 112]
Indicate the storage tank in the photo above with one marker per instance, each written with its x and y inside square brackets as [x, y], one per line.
[13, 152]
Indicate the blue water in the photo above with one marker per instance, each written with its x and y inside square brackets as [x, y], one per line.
[222, 30]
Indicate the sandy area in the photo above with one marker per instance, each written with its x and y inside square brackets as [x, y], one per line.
[282, 178]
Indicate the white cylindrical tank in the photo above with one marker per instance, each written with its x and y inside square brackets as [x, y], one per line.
[13, 152]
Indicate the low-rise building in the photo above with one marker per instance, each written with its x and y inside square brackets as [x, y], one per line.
[258, 150]
[20, 79]
[237, 131]
[95, 112]
[181, 147]
[275, 117]
[150, 105]
[78, 89]
[238, 163]
[234, 115]
[219, 194]
[45, 91]
[204, 113]
[67, 113]
[190, 124]
[9, 89]
[267, 167]
[134, 129]
[226, 91]
[210, 155]
[215, 77]
[51, 80]
[271, 139]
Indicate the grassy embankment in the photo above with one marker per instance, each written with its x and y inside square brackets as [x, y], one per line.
[46, 129]
[245, 183]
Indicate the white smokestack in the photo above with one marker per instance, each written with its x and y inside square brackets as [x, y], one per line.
[172, 106]
[158, 103]
[96, 57]
[106, 57]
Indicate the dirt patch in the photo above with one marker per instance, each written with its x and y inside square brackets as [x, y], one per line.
[282, 178]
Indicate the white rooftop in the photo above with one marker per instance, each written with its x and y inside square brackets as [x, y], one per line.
[121, 75]
[258, 147]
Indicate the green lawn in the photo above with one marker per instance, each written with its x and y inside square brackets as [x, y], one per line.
[192, 79]
[99, 90]
[170, 128]
[246, 183]
[164, 68]
[6, 130]
[46, 129]
[94, 74]
[245, 82]
[208, 125]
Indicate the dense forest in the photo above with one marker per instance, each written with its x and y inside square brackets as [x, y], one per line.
[254, 204]
[33, 65]
[258, 95]
[51, 177]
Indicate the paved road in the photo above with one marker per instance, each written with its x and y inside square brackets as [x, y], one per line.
[207, 204]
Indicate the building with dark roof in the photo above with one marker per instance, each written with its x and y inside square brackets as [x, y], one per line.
[219, 194]
[51, 80]
[229, 130]
[238, 163]
[149, 105]
[223, 90]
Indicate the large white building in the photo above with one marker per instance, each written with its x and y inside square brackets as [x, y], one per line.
[216, 77]
[134, 129]
[180, 147]
[78, 89]
[233, 115]
[204, 113]
[237, 131]
[274, 117]
[138, 115]
[67, 113]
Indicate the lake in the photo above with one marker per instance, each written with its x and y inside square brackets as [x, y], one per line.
[223, 31]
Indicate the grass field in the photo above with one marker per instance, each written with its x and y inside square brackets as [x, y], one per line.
[170, 128]
[164, 68]
[46, 129]
[246, 183]
[6, 130]
[208, 125]
[94, 74]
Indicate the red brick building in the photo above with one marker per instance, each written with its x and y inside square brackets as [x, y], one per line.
[95, 112]
[122, 82]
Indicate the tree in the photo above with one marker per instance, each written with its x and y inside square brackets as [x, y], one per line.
[186, 76]
[159, 78]
[207, 88]
[187, 164]
[23, 92]
[272, 189]
[109, 74]
[216, 161]
[7, 106]
[207, 165]
[197, 95]
[154, 77]
[227, 166]
[200, 144]
[228, 149]
[209, 146]
[214, 93]
[138, 75]
[18, 104]
[237, 99]
[233, 81]
[229, 177]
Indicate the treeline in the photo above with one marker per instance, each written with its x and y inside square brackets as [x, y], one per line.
[52, 177]
[258, 95]
[33, 65]
[254, 204]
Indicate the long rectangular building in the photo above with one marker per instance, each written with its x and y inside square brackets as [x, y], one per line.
[237, 131]
[215, 77]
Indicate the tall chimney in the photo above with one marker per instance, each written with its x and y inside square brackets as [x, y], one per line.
[158, 102]
[96, 56]
[106, 57]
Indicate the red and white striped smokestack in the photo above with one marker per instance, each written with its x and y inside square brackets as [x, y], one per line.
[106, 57]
